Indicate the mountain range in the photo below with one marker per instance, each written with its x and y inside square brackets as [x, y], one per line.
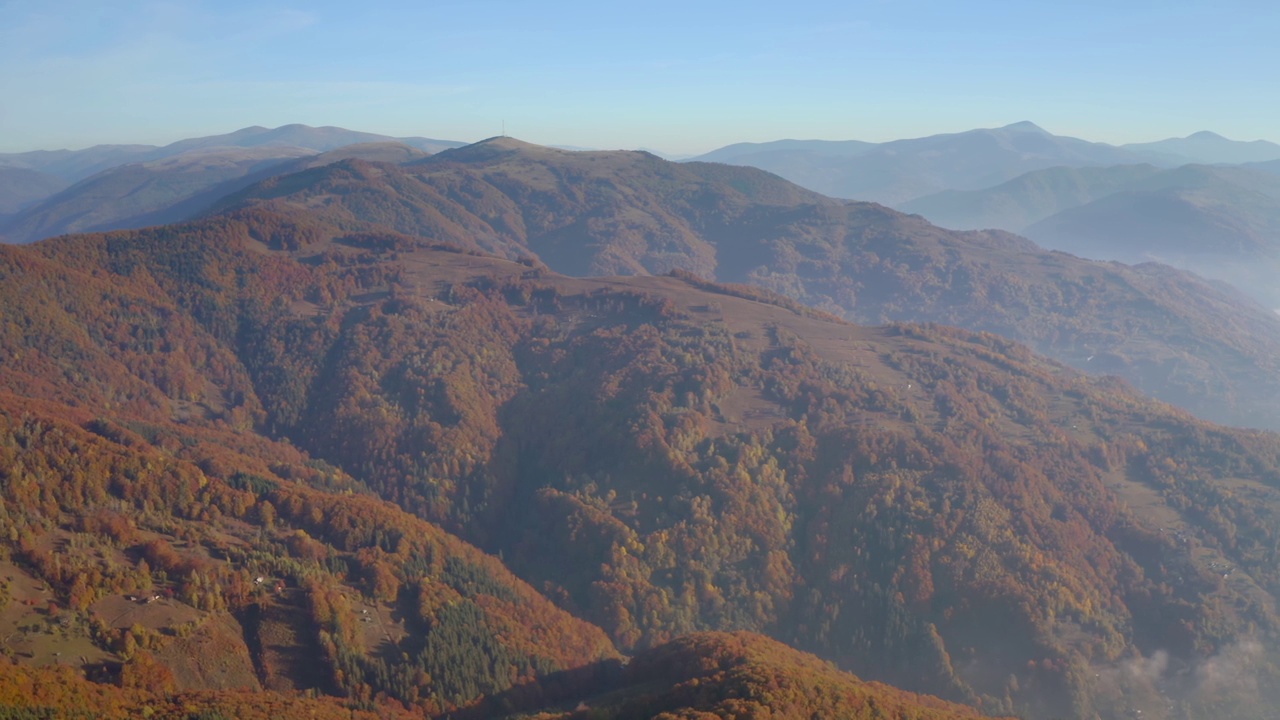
[455, 435]
[900, 171]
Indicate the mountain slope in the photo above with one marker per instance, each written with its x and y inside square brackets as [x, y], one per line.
[73, 165]
[632, 213]
[251, 492]
[922, 505]
[127, 469]
[102, 514]
[840, 148]
[902, 170]
[177, 187]
[1272, 166]
[1222, 223]
[20, 187]
[135, 195]
[396, 153]
[61, 693]
[728, 675]
[735, 674]
[1026, 199]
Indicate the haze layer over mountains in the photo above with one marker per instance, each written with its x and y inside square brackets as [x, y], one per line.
[1202, 202]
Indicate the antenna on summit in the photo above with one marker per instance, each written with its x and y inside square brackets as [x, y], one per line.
[504, 128]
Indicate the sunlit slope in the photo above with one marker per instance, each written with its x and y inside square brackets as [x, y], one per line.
[926, 506]
[130, 469]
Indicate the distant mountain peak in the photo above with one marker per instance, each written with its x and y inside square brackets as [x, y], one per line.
[495, 147]
[507, 142]
[1205, 135]
[1026, 126]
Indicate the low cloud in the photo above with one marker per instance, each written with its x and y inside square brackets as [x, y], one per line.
[1233, 669]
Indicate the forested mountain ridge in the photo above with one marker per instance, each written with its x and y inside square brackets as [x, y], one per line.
[598, 213]
[657, 455]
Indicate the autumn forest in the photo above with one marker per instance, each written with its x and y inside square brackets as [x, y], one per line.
[509, 431]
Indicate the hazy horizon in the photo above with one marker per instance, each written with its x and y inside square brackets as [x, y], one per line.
[168, 140]
[679, 78]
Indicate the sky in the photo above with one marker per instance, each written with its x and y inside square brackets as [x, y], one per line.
[679, 77]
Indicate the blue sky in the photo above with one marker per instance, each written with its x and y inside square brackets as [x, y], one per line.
[676, 76]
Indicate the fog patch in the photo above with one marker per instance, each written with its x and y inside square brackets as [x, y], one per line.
[1233, 669]
[1235, 683]
[1149, 669]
